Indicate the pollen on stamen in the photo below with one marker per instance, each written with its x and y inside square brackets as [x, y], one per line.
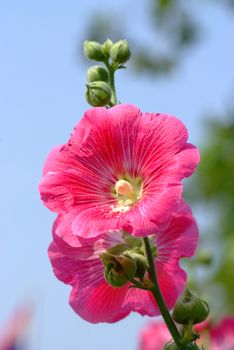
[120, 208]
[123, 187]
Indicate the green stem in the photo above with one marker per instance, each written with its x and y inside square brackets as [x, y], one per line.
[158, 296]
[137, 284]
[188, 332]
[112, 82]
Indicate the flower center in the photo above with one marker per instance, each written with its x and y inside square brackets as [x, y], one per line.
[124, 188]
[127, 191]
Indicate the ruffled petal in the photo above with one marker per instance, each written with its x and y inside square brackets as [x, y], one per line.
[64, 267]
[180, 239]
[171, 282]
[96, 301]
[99, 303]
[92, 223]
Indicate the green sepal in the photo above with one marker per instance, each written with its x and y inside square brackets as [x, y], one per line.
[97, 73]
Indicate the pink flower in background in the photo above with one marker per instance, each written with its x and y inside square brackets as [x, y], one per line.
[121, 169]
[81, 267]
[13, 331]
[219, 336]
[154, 336]
[213, 337]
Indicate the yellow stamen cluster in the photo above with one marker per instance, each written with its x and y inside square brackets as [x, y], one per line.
[127, 193]
[124, 188]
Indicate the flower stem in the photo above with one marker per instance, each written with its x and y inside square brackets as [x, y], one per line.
[158, 296]
[112, 82]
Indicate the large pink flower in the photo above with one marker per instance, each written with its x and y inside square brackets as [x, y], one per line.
[121, 169]
[212, 337]
[81, 267]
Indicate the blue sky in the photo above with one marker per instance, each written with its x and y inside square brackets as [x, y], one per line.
[41, 99]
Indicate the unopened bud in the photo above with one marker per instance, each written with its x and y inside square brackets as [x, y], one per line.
[118, 269]
[190, 308]
[120, 52]
[106, 47]
[98, 93]
[141, 263]
[97, 73]
[93, 51]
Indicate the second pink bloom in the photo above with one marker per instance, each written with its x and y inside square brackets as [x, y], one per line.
[81, 267]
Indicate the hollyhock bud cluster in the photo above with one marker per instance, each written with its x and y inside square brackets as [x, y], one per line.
[100, 79]
[122, 225]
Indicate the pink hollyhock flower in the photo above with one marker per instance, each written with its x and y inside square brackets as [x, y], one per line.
[121, 169]
[81, 266]
[212, 337]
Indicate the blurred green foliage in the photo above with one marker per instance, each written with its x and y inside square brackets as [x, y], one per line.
[171, 25]
[214, 179]
[173, 29]
[214, 183]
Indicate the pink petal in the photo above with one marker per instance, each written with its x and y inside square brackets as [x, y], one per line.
[55, 191]
[172, 281]
[96, 301]
[101, 303]
[66, 241]
[54, 161]
[180, 239]
[64, 267]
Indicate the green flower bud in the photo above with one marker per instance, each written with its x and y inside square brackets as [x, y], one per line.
[190, 308]
[140, 261]
[93, 51]
[117, 249]
[106, 47]
[118, 269]
[97, 73]
[98, 93]
[120, 52]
